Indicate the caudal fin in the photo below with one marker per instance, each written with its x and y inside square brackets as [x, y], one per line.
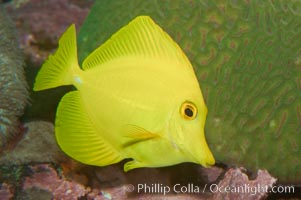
[58, 68]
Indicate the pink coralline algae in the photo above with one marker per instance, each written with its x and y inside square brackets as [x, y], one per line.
[46, 178]
[5, 192]
[44, 182]
[40, 24]
[237, 186]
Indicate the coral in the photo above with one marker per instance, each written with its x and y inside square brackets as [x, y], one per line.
[43, 181]
[37, 145]
[240, 187]
[13, 86]
[246, 55]
[12, 174]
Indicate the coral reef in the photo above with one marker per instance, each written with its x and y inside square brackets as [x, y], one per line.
[46, 178]
[246, 55]
[40, 24]
[13, 86]
[43, 181]
[219, 34]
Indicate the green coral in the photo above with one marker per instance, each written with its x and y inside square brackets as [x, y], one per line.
[247, 57]
[13, 174]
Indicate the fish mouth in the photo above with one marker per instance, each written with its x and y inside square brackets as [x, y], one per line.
[206, 162]
[209, 163]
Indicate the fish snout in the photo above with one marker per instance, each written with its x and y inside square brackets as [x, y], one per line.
[201, 154]
[209, 160]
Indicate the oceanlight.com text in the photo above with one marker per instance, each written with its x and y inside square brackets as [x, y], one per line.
[157, 188]
[251, 189]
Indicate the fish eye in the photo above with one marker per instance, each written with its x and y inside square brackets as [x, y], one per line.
[188, 110]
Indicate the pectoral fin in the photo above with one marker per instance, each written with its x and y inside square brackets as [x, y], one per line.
[136, 134]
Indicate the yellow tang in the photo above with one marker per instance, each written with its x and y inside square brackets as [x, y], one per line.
[137, 97]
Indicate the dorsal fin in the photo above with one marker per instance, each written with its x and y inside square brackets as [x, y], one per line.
[141, 38]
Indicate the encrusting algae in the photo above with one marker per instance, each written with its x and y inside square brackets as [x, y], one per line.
[137, 97]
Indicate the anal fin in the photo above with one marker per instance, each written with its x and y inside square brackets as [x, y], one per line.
[132, 165]
[77, 136]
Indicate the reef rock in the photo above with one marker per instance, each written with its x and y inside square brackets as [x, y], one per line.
[36, 146]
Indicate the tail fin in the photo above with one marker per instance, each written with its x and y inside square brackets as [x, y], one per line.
[57, 70]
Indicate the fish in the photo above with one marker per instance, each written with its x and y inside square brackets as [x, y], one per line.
[136, 97]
